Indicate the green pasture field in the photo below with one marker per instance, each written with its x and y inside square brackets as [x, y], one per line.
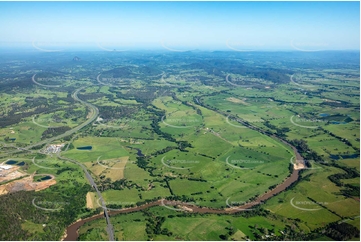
[211, 226]
[126, 102]
[282, 119]
[94, 230]
[350, 131]
[146, 146]
[137, 175]
[253, 144]
[183, 118]
[136, 126]
[127, 227]
[32, 227]
[320, 189]
[104, 101]
[228, 163]
[131, 171]
[226, 179]
[353, 181]
[62, 170]
[25, 133]
[283, 92]
[341, 96]
[183, 129]
[255, 113]
[126, 196]
[126, 128]
[326, 145]
[350, 163]
[132, 196]
[160, 102]
[197, 227]
[105, 89]
[179, 81]
[105, 147]
[7, 99]
[48, 118]
[209, 144]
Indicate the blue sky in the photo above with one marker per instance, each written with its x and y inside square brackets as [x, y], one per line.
[183, 25]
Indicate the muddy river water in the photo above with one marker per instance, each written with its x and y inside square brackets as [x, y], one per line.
[72, 230]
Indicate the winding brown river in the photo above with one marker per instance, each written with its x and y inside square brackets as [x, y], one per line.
[72, 230]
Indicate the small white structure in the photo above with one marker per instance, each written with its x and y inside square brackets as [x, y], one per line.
[5, 167]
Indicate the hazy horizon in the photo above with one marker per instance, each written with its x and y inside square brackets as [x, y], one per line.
[180, 26]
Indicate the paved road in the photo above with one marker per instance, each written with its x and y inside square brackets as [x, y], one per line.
[233, 84]
[94, 185]
[94, 112]
[291, 78]
[71, 230]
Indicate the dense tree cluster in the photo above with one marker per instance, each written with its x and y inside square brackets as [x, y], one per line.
[350, 190]
[280, 132]
[342, 140]
[306, 152]
[51, 132]
[154, 224]
[16, 208]
[342, 231]
[117, 112]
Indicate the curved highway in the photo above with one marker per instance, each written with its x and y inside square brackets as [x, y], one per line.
[94, 112]
[71, 230]
[233, 84]
[291, 79]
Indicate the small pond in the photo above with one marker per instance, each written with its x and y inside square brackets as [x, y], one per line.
[45, 178]
[337, 157]
[85, 148]
[11, 162]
